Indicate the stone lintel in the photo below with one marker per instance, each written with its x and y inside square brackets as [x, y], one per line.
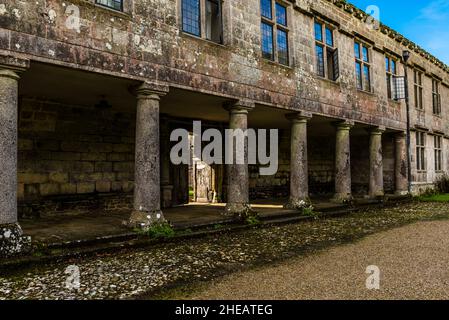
[299, 116]
[240, 106]
[14, 64]
[151, 90]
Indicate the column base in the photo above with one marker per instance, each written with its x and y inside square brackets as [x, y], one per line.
[12, 241]
[377, 195]
[297, 204]
[342, 198]
[242, 210]
[144, 220]
[401, 193]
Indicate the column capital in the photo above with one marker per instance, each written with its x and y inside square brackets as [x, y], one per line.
[377, 130]
[151, 90]
[239, 107]
[344, 125]
[302, 116]
[11, 67]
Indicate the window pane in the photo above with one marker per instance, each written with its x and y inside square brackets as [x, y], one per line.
[320, 60]
[114, 4]
[318, 32]
[365, 54]
[281, 14]
[282, 47]
[393, 66]
[366, 79]
[265, 8]
[357, 50]
[267, 41]
[358, 72]
[191, 17]
[389, 93]
[387, 64]
[420, 99]
[213, 21]
[416, 97]
[329, 37]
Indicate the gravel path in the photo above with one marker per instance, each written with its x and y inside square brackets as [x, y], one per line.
[144, 272]
[413, 263]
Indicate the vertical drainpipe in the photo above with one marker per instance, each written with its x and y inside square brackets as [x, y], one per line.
[406, 56]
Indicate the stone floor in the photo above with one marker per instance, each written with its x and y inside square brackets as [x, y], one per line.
[86, 226]
[182, 266]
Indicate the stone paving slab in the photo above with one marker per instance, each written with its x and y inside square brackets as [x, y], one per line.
[97, 224]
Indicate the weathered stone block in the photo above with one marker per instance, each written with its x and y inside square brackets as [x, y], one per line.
[68, 188]
[103, 166]
[123, 148]
[103, 186]
[48, 189]
[93, 156]
[123, 166]
[31, 178]
[59, 177]
[25, 145]
[20, 190]
[85, 187]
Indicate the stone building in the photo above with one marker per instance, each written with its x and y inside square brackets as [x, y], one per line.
[91, 89]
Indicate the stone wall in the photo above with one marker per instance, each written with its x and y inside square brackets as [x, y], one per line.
[73, 150]
[276, 186]
[321, 153]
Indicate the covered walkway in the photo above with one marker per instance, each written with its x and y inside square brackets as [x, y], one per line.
[71, 227]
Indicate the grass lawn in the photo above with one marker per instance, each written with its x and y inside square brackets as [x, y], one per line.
[435, 198]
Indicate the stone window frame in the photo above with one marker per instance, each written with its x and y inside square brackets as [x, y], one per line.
[438, 153]
[436, 97]
[364, 64]
[121, 2]
[390, 74]
[202, 22]
[273, 23]
[421, 160]
[418, 77]
[327, 48]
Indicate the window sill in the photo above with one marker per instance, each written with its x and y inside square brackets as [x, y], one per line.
[333, 82]
[119, 14]
[200, 39]
[394, 101]
[439, 116]
[370, 93]
[277, 64]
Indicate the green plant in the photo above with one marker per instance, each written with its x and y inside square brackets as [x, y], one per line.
[160, 230]
[310, 212]
[218, 226]
[253, 220]
[442, 184]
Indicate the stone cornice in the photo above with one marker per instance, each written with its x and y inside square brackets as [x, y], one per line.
[361, 15]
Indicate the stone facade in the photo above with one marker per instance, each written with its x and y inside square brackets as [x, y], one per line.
[85, 132]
